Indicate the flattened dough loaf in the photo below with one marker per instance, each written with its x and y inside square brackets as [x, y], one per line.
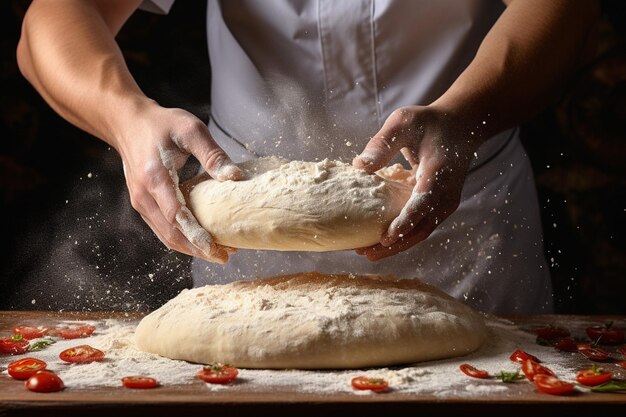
[312, 321]
[300, 206]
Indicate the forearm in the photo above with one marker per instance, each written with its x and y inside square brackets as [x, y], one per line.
[68, 53]
[533, 48]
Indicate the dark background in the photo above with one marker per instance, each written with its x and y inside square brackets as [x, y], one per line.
[71, 240]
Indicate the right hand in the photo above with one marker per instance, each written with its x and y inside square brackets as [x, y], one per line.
[155, 143]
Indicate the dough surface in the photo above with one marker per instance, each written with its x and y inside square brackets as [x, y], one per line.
[312, 321]
[299, 206]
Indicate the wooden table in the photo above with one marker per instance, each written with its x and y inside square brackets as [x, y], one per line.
[192, 399]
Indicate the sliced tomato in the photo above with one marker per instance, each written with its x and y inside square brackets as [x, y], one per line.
[30, 332]
[594, 353]
[82, 354]
[469, 370]
[218, 373]
[531, 369]
[606, 334]
[551, 332]
[15, 345]
[74, 332]
[593, 376]
[566, 344]
[520, 356]
[25, 368]
[372, 384]
[139, 382]
[45, 381]
[552, 385]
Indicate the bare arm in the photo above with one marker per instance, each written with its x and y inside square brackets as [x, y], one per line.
[68, 53]
[523, 62]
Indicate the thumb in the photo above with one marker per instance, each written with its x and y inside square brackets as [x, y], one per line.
[213, 159]
[382, 148]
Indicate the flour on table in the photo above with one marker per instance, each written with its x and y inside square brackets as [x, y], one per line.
[298, 205]
[439, 378]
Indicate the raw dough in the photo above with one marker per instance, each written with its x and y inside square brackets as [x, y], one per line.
[312, 321]
[301, 206]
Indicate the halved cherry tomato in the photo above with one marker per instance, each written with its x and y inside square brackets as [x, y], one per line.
[566, 344]
[372, 384]
[82, 354]
[218, 373]
[593, 376]
[531, 369]
[520, 356]
[594, 353]
[74, 332]
[30, 332]
[15, 345]
[606, 335]
[469, 370]
[552, 385]
[44, 381]
[139, 382]
[25, 368]
[551, 332]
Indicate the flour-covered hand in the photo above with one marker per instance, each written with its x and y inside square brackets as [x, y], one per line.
[439, 148]
[154, 147]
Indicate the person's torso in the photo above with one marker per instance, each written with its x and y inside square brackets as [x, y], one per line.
[316, 79]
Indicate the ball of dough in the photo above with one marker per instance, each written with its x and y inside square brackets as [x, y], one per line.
[299, 206]
[312, 321]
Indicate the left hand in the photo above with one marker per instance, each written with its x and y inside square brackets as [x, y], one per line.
[439, 147]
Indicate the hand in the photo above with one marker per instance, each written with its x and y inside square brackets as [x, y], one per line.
[439, 148]
[154, 145]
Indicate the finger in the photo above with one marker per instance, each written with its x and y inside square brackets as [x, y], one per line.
[416, 208]
[421, 202]
[170, 204]
[418, 234]
[172, 224]
[410, 155]
[386, 143]
[200, 237]
[175, 240]
[198, 141]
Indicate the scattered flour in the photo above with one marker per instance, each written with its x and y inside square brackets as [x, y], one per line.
[438, 378]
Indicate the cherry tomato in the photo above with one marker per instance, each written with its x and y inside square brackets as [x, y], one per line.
[469, 370]
[218, 373]
[372, 384]
[520, 356]
[139, 382]
[566, 344]
[74, 332]
[82, 354]
[594, 353]
[552, 385]
[15, 345]
[531, 369]
[30, 332]
[606, 335]
[551, 332]
[25, 368]
[594, 376]
[44, 381]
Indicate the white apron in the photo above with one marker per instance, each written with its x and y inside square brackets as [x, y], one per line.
[316, 79]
